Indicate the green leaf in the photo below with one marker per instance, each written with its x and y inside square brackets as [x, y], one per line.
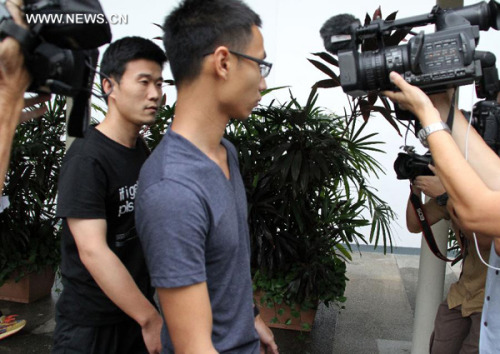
[297, 164]
[305, 326]
[266, 91]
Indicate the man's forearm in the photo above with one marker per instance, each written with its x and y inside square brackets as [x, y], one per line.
[188, 315]
[117, 283]
[472, 200]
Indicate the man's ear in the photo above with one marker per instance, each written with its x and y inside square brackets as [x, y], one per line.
[108, 85]
[222, 65]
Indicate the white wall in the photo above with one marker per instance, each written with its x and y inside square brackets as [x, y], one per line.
[291, 33]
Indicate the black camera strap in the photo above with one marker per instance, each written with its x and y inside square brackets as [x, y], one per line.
[426, 228]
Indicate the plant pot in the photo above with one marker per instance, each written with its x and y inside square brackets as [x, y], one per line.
[30, 288]
[284, 316]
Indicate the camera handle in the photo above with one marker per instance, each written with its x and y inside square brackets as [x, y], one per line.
[426, 229]
[405, 115]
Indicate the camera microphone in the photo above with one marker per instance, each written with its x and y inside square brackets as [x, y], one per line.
[336, 32]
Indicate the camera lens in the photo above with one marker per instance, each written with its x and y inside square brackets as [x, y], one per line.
[402, 166]
[376, 66]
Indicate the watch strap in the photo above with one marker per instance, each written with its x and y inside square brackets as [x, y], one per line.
[442, 199]
[431, 128]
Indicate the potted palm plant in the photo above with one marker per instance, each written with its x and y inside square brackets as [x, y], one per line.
[305, 175]
[29, 231]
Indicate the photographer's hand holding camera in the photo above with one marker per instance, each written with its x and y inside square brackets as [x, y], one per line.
[14, 80]
[436, 208]
[433, 211]
[431, 186]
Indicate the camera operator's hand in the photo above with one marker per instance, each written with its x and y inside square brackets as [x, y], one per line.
[14, 80]
[413, 99]
[431, 186]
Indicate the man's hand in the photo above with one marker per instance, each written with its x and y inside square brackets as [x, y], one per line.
[151, 332]
[431, 186]
[267, 343]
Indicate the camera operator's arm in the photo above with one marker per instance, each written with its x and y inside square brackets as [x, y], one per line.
[433, 212]
[14, 80]
[482, 158]
[475, 205]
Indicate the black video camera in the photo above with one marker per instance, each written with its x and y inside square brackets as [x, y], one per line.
[60, 49]
[410, 164]
[486, 113]
[486, 120]
[434, 62]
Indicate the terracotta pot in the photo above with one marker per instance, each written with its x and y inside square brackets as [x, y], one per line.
[282, 315]
[30, 288]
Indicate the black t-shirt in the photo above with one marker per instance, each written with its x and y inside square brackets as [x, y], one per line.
[98, 180]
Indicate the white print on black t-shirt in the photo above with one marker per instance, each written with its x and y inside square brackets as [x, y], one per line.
[127, 197]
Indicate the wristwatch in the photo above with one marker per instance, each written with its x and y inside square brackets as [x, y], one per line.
[428, 130]
[442, 199]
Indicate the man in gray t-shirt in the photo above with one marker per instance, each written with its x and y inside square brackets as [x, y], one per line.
[191, 209]
[192, 224]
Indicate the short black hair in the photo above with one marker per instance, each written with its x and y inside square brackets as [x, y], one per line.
[197, 27]
[124, 50]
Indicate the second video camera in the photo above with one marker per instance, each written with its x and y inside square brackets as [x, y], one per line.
[60, 49]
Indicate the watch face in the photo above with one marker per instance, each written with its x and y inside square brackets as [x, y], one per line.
[422, 136]
[434, 127]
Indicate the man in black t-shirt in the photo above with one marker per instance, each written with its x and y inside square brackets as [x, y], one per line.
[107, 302]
